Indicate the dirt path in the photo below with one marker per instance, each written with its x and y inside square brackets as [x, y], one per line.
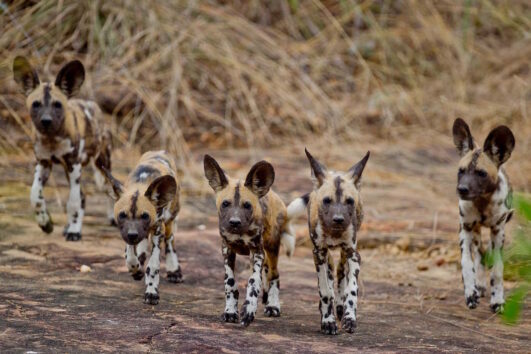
[47, 303]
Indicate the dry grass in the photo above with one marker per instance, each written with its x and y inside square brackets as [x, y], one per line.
[187, 74]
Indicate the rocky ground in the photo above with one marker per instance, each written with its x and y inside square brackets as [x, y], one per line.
[411, 291]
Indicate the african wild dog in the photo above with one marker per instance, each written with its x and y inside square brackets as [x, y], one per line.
[484, 200]
[146, 207]
[67, 131]
[334, 216]
[252, 220]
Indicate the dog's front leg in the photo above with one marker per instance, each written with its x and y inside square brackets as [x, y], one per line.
[135, 256]
[466, 237]
[350, 295]
[42, 172]
[173, 268]
[231, 287]
[254, 286]
[496, 276]
[151, 295]
[75, 207]
[326, 290]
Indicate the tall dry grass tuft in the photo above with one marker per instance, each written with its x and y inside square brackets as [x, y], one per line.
[182, 74]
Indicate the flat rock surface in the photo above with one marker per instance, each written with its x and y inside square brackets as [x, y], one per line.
[411, 291]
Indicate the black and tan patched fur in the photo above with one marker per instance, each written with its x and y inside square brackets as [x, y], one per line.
[68, 132]
[146, 208]
[484, 201]
[252, 221]
[335, 214]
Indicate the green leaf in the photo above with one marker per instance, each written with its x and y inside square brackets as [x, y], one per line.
[523, 205]
[513, 305]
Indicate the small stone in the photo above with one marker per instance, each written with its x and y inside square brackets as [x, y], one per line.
[201, 227]
[422, 267]
[440, 261]
[85, 269]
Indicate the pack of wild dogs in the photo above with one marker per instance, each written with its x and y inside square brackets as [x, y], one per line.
[253, 219]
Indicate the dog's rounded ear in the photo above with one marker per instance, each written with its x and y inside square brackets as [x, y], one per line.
[70, 78]
[356, 171]
[214, 174]
[318, 169]
[25, 76]
[499, 144]
[463, 140]
[162, 191]
[260, 178]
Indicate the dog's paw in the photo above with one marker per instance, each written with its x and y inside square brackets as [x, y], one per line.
[272, 311]
[497, 308]
[176, 276]
[138, 275]
[348, 324]
[151, 299]
[472, 301]
[48, 227]
[246, 317]
[329, 327]
[73, 236]
[229, 317]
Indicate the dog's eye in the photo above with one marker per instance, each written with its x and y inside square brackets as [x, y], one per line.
[225, 204]
[247, 205]
[350, 201]
[145, 216]
[481, 173]
[57, 105]
[36, 105]
[327, 200]
[461, 171]
[122, 215]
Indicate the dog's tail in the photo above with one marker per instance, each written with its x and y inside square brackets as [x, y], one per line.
[295, 208]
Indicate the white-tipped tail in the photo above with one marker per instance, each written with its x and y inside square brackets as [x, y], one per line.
[297, 207]
[288, 240]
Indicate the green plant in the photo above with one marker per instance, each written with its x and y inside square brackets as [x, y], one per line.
[517, 261]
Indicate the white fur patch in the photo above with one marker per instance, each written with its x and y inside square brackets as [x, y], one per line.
[153, 278]
[172, 262]
[73, 206]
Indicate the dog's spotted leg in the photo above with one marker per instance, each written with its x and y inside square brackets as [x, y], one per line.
[132, 263]
[326, 290]
[350, 294]
[254, 286]
[99, 179]
[466, 236]
[75, 204]
[496, 276]
[272, 284]
[173, 268]
[153, 269]
[341, 285]
[42, 172]
[479, 266]
[231, 287]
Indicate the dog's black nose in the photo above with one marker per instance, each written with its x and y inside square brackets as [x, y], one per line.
[338, 219]
[235, 222]
[132, 237]
[462, 190]
[46, 122]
